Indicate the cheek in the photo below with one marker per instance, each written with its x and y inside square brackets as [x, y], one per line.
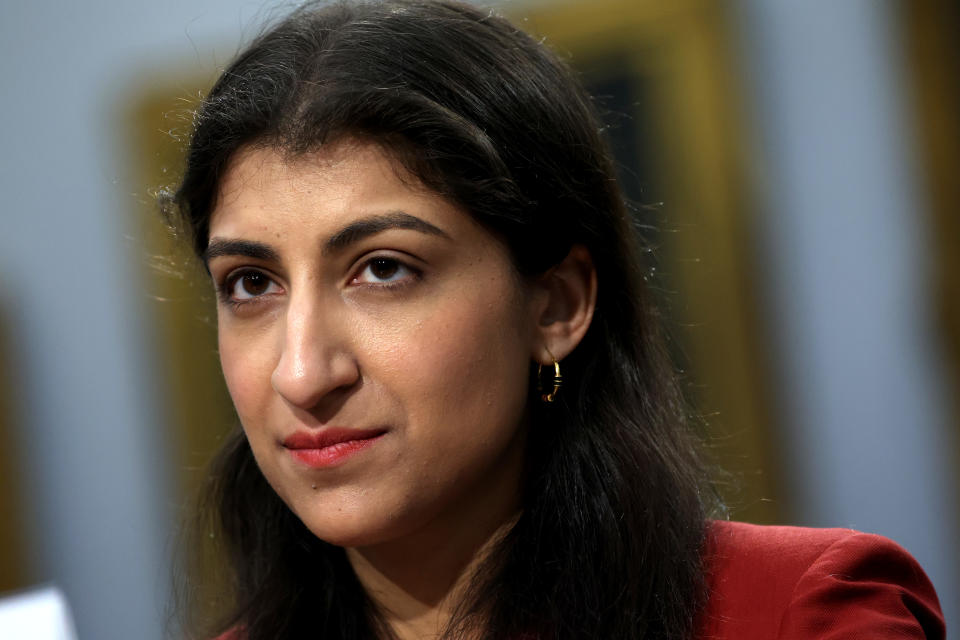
[247, 368]
[465, 372]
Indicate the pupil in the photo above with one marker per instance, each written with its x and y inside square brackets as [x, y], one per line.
[383, 268]
[254, 283]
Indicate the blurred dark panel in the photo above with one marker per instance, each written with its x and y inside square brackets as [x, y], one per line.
[623, 99]
[14, 573]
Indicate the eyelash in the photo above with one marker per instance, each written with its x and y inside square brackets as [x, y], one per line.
[226, 286]
[390, 284]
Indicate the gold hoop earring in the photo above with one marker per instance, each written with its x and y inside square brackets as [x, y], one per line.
[555, 383]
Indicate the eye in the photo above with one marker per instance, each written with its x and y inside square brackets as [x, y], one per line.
[384, 270]
[247, 285]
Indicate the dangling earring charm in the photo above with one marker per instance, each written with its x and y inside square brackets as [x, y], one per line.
[554, 383]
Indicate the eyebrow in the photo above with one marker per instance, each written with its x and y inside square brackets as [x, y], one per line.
[373, 225]
[219, 247]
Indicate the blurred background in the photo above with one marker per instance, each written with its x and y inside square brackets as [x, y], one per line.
[794, 163]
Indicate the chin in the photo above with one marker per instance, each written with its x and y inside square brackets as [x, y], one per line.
[342, 534]
[354, 529]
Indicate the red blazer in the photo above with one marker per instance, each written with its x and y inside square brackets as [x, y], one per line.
[793, 583]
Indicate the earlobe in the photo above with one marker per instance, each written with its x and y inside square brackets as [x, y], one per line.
[571, 296]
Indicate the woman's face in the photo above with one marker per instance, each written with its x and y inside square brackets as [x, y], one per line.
[376, 342]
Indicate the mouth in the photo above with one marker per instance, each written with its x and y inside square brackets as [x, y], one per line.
[329, 447]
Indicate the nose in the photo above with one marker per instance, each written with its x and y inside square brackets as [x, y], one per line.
[315, 361]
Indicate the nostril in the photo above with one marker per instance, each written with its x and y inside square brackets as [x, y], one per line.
[309, 383]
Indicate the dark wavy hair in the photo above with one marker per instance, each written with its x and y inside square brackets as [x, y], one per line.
[609, 539]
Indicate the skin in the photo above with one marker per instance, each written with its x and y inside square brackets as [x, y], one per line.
[422, 332]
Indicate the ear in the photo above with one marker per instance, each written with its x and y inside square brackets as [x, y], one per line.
[569, 296]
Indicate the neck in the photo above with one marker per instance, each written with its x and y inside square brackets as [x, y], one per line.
[418, 580]
[418, 583]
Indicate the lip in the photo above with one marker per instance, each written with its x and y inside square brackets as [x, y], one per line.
[329, 447]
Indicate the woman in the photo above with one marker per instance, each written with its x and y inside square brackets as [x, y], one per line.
[458, 417]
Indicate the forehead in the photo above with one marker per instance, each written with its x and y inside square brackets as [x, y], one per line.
[264, 190]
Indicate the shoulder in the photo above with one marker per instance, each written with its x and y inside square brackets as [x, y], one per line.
[794, 582]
